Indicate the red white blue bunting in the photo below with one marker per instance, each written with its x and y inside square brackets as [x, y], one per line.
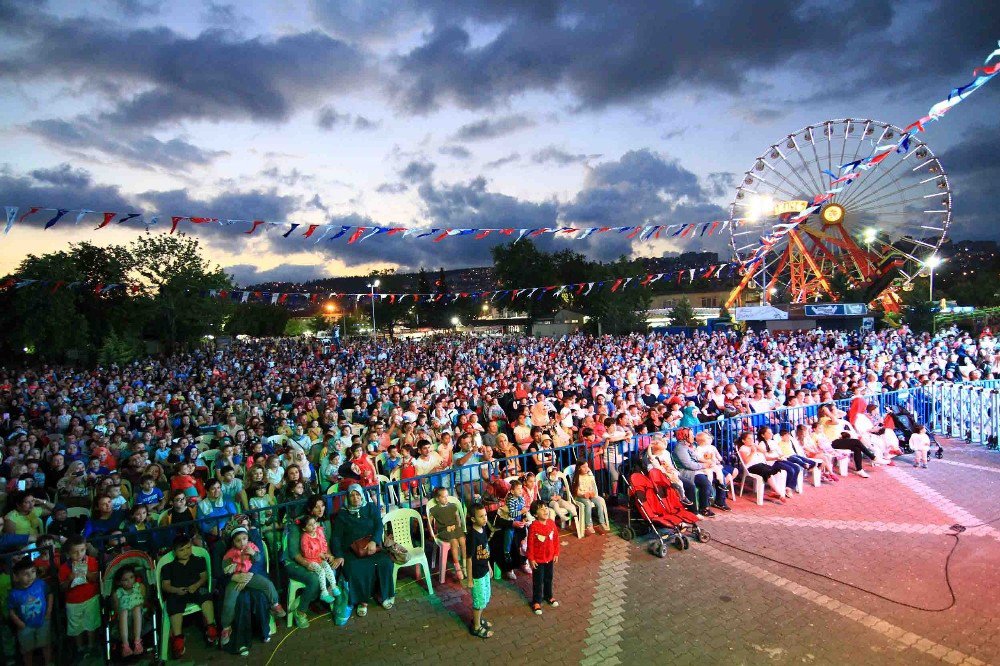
[358, 234]
[849, 172]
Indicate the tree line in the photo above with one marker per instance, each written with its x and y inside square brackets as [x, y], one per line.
[163, 304]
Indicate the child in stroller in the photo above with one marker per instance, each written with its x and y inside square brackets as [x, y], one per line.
[128, 601]
[124, 602]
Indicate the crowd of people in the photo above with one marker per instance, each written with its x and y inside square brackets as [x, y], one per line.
[237, 450]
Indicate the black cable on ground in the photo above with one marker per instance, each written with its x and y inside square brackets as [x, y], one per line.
[957, 529]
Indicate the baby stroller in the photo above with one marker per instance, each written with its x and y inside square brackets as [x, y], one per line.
[665, 521]
[144, 573]
[903, 424]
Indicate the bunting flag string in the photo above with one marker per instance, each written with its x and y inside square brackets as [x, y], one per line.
[359, 234]
[710, 272]
[849, 172]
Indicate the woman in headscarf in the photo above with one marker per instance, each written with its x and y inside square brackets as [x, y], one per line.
[360, 522]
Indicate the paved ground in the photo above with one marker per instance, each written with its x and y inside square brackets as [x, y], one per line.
[889, 534]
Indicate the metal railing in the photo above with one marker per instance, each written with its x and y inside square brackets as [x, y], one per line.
[968, 411]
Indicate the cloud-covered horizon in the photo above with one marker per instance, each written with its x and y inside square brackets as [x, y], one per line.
[426, 113]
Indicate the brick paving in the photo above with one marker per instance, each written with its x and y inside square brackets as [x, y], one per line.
[619, 604]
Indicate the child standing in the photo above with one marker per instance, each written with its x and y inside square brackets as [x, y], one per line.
[316, 552]
[237, 562]
[449, 527]
[29, 609]
[477, 569]
[129, 599]
[920, 442]
[543, 553]
[78, 577]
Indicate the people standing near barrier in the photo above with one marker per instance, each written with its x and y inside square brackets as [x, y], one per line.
[542, 553]
[478, 572]
[920, 443]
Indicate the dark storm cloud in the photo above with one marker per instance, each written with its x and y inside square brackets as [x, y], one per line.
[137, 7]
[973, 171]
[361, 123]
[213, 76]
[560, 157]
[327, 118]
[499, 162]
[60, 186]
[392, 188]
[63, 175]
[721, 184]
[248, 274]
[417, 171]
[135, 148]
[290, 178]
[262, 204]
[608, 53]
[458, 152]
[491, 128]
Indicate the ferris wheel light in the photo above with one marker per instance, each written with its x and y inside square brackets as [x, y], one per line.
[933, 262]
[760, 206]
[870, 235]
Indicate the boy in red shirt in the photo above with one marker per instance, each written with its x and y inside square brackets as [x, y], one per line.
[543, 553]
[78, 578]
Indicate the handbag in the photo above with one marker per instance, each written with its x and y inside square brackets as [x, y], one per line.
[360, 547]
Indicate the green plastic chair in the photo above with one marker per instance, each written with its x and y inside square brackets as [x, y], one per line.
[191, 609]
[294, 587]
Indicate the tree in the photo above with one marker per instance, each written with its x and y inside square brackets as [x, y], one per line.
[90, 299]
[257, 319]
[390, 310]
[682, 314]
[522, 265]
[724, 314]
[174, 277]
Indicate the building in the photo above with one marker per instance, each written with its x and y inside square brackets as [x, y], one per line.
[563, 322]
[698, 299]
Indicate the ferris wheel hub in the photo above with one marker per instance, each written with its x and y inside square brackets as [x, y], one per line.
[832, 214]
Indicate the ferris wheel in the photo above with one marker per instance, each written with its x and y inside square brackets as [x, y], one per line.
[872, 237]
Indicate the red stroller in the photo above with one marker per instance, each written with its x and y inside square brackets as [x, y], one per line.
[666, 517]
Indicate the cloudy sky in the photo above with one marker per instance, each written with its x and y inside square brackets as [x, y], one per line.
[485, 113]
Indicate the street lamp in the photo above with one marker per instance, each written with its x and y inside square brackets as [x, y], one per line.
[331, 313]
[455, 321]
[869, 236]
[931, 263]
[372, 285]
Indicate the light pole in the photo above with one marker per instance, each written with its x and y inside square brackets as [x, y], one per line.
[931, 263]
[869, 236]
[331, 312]
[371, 286]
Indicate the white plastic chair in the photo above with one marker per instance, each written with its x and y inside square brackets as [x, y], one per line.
[577, 519]
[399, 521]
[581, 519]
[190, 609]
[443, 547]
[758, 481]
[388, 491]
[817, 470]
